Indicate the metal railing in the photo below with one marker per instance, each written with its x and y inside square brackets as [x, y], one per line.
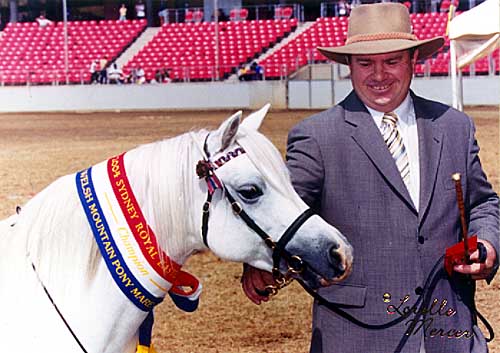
[255, 12]
[185, 73]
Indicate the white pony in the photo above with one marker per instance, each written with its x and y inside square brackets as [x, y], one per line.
[50, 251]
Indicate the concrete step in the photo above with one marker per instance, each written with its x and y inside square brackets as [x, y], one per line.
[299, 30]
[139, 43]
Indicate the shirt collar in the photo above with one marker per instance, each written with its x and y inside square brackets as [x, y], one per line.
[403, 111]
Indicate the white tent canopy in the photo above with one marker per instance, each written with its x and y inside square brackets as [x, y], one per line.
[476, 32]
[473, 35]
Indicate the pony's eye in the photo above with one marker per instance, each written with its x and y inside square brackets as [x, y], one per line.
[250, 192]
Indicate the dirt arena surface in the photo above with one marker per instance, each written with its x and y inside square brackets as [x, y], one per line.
[35, 149]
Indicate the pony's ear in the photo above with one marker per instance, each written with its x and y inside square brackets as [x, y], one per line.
[254, 120]
[225, 135]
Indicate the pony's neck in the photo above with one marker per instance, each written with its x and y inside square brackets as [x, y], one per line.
[162, 176]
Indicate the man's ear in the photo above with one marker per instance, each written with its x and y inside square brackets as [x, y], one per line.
[414, 59]
[225, 135]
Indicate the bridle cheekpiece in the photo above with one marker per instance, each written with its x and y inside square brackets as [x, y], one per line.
[205, 169]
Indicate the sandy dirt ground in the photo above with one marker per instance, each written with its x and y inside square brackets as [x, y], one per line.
[37, 148]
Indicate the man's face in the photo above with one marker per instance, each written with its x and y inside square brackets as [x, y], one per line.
[382, 81]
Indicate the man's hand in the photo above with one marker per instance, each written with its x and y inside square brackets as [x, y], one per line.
[254, 282]
[479, 270]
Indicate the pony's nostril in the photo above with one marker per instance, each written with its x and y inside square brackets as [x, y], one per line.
[335, 246]
[335, 259]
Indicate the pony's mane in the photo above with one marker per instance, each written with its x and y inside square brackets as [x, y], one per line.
[162, 176]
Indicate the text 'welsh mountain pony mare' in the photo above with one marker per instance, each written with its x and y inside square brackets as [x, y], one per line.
[88, 258]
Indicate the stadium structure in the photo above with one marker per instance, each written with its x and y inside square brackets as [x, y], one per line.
[202, 55]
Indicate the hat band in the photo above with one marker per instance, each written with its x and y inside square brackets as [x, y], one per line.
[380, 36]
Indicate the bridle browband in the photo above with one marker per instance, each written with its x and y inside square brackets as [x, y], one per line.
[205, 169]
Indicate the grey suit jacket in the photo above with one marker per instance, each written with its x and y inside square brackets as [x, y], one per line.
[341, 166]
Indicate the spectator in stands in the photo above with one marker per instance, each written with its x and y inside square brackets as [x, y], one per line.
[378, 166]
[166, 76]
[122, 12]
[94, 73]
[163, 14]
[103, 71]
[256, 71]
[140, 10]
[158, 78]
[132, 76]
[221, 16]
[244, 73]
[43, 22]
[115, 74]
[140, 76]
[343, 8]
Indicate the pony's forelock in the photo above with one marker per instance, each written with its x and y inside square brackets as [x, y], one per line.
[266, 158]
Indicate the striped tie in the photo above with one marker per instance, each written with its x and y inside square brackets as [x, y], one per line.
[395, 144]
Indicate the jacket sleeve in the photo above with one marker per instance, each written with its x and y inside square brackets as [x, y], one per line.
[305, 164]
[483, 202]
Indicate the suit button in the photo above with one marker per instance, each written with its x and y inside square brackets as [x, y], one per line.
[421, 239]
[419, 290]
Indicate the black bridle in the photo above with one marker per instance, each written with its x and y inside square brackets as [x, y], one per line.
[205, 169]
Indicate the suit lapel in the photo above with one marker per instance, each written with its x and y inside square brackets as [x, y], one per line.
[430, 139]
[367, 135]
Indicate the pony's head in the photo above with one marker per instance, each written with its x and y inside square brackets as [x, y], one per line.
[274, 230]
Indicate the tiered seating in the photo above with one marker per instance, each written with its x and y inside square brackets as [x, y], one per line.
[188, 49]
[326, 31]
[33, 54]
[429, 25]
[332, 31]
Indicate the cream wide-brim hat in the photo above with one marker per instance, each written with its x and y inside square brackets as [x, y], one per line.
[380, 28]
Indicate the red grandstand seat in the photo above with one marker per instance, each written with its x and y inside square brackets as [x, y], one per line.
[287, 12]
[198, 16]
[234, 14]
[243, 14]
[277, 12]
[188, 17]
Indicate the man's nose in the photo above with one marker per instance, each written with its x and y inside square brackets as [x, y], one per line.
[378, 71]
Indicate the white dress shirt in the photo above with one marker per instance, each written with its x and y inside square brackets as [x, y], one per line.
[407, 127]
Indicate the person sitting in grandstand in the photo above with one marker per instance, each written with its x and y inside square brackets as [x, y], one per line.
[257, 72]
[158, 76]
[140, 76]
[243, 73]
[43, 22]
[115, 75]
[166, 76]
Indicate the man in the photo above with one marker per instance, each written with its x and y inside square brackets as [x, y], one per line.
[43, 21]
[122, 13]
[378, 167]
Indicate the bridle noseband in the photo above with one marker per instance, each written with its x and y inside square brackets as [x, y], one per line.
[205, 169]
